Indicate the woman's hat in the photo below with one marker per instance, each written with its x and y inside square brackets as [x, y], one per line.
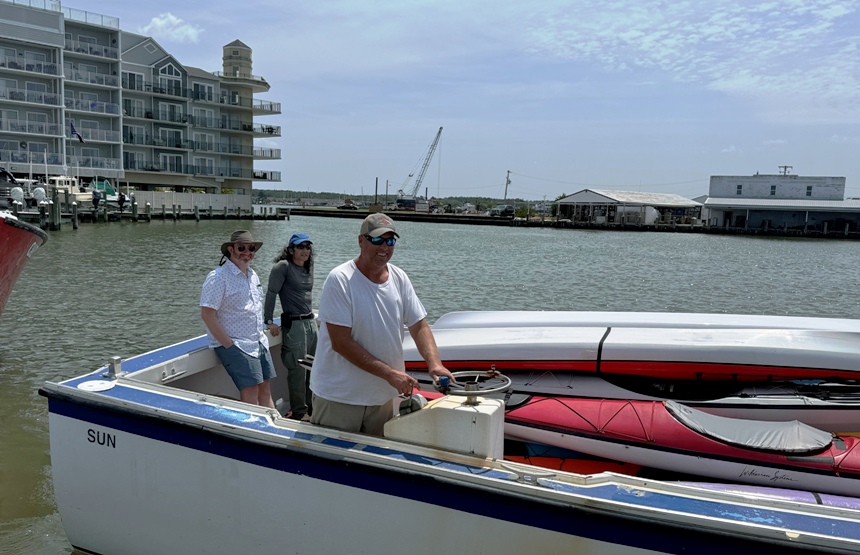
[298, 238]
[240, 236]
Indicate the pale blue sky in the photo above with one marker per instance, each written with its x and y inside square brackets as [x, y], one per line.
[610, 94]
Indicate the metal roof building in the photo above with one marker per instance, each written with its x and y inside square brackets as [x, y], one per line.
[608, 207]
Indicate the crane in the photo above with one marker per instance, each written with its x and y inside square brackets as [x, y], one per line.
[407, 200]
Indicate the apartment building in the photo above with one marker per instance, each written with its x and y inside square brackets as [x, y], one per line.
[81, 97]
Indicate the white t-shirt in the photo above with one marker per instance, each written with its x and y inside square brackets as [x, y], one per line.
[377, 314]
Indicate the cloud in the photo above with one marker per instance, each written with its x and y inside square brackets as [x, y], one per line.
[792, 60]
[774, 142]
[168, 27]
[730, 149]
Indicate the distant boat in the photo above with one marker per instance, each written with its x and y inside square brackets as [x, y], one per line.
[69, 189]
[18, 241]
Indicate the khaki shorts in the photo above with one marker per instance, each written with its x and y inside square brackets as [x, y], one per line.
[352, 418]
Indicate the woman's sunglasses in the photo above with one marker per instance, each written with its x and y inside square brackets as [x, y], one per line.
[377, 241]
[303, 246]
[241, 248]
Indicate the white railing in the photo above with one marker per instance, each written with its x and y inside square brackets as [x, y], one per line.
[188, 201]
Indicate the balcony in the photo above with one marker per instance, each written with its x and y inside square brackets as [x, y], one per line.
[267, 153]
[92, 78]
[267, 130]
[33, 97]
[109, 108]
[23, 64]
[266, 175]
[93, 162]
[262, 107]
[92, 49]
[97, 135]
[31, 128]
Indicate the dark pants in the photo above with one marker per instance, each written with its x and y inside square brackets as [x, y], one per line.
[299, 339]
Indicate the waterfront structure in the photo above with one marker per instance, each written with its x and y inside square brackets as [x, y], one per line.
[80, 96]
[780, 202]
[604, 207]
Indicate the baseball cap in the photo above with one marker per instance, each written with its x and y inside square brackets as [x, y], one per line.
[377, 224]
[299, 238]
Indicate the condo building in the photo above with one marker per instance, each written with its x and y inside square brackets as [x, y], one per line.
[81, 97]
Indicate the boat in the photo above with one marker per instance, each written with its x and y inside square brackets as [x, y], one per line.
[18, 241]
[671, 436]
[754, 367]
[28, 192]
[155, 454]
[70, 191]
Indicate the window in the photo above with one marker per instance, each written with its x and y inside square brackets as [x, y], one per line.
[86, 39]
[773, 190]
[171, 137]
[133, 134]
[132, 80]
[740, 189]
[89, 97]
[809, 190]
[36, 122]
[171, 163]
[204, 166]
[203, 92]
[132, 160]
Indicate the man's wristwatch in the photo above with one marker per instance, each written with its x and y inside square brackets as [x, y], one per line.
[269, 322]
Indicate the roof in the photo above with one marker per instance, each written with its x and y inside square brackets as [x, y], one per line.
[600, 196]
[852, 205]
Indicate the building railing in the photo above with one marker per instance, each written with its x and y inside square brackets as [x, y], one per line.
[91, 77]
[34, 158]
[266, 175]
[267, 153]
[222, 148]
[34, 97]
[90, 17]
[200, 170]
[240, 75]
[267, 106]
[147, 140]
[268, 130]
[97, 135]
[146, 113]
[51, 5]
[92, 49]
[92, 106]
[92, 162]
[24, 126]
[24, 64]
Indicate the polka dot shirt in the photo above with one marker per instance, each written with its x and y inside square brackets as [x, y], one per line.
[238, 302]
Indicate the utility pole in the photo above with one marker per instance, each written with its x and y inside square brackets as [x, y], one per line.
[507, 182]
[785, 169]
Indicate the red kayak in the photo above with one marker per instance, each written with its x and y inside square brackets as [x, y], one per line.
[671, 436]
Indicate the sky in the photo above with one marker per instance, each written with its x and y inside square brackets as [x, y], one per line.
[639, 95]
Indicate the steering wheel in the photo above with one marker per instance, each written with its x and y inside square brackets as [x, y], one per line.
[494, 383]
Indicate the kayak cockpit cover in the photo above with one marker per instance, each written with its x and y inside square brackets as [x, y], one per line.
[784, 437]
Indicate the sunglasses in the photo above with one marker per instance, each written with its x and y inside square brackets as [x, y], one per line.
[377, 241]
[303, 246]
[241, 248]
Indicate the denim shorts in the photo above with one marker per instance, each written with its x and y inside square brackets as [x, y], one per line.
[245, 370]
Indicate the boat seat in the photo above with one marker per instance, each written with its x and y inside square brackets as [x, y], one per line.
[783, 437]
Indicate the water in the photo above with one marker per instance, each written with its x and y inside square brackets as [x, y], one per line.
[125, 288]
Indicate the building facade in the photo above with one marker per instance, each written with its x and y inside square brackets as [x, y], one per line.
[81, 97]
[786, 202]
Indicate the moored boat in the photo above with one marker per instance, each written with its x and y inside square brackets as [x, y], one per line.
[18, 241]
[154, 454]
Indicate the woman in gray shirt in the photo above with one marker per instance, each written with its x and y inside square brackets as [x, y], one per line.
[292, 281]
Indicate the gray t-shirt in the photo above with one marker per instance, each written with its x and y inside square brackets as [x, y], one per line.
[293, 285]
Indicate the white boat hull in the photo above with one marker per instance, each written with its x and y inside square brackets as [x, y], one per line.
[157, 460]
